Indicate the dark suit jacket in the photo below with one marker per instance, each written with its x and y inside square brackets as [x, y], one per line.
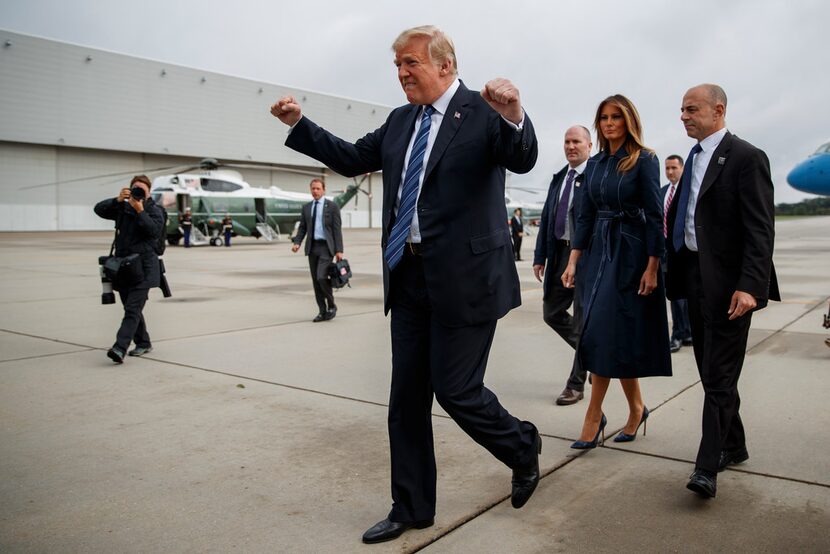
[735, 228]
[331, 225]
[467, 256]
[138, 233]
[516, 226]
[545, 252]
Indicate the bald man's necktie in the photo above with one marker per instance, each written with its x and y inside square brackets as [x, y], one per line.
[679, 231]
[409, 193]
[562, 208]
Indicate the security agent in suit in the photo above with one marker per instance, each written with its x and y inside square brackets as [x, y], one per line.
[320, 218]
[517, 231]
[449, 273]
[139, 223]
[720, 259]
[681, 332]
[553, 248]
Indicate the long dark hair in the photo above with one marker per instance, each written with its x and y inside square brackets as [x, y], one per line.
[633, 128]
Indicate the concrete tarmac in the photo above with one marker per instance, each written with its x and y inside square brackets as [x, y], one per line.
[251, 429]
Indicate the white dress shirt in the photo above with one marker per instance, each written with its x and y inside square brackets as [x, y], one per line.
[319, 233]
[578, 170]
[699, 165]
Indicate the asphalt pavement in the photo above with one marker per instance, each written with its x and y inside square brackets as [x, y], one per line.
[249, 428]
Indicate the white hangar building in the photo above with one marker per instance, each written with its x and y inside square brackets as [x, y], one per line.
[76, 123]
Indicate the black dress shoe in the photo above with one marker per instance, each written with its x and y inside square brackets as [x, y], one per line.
[115, 355]
[141, 350]
[388, 530]
[526, 478]
[687, 342]
[704, 483]
[674, 345]
[569, 396]
[319, 317]
[729, 457]
[331, 313]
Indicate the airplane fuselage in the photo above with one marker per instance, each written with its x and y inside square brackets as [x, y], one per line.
[813, 174]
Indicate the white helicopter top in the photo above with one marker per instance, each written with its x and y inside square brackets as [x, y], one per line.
[220, 183]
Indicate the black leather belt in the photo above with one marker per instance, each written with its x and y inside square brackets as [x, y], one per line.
[415, 248]
[563, 242]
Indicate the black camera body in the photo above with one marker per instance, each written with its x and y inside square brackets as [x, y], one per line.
[107, 296]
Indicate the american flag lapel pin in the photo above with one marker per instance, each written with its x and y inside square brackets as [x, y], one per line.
[457, 115]
[721, 161]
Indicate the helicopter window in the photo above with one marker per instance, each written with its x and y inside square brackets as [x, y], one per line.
[215, 185]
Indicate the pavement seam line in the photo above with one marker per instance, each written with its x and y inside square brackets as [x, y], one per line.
[467, 519]
[735, 469]
[245, 329]
[492, 505]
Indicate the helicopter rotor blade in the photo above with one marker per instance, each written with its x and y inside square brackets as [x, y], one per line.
[106, 175]
[271, 167]
[526, 189]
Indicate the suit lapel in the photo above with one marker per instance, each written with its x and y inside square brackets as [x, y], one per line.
[449, 127]
[715, 165]
[558, 180]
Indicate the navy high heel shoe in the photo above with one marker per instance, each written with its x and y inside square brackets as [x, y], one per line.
[585, 445]
[623, 437]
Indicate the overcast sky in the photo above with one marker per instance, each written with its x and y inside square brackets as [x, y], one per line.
[770, 56]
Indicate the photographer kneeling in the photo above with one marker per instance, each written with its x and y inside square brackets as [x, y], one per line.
[139, 223]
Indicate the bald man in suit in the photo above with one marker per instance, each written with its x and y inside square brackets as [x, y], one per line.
[719, 257]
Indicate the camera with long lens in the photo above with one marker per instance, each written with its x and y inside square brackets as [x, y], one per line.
[107, 296]
[138, 193]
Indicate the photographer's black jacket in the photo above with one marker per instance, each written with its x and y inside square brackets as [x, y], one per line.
[138, 233]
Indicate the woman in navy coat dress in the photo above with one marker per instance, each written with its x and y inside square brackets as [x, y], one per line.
[615, 256]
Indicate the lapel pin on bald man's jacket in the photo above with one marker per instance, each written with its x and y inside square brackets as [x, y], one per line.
[721, 161]
[457, 115]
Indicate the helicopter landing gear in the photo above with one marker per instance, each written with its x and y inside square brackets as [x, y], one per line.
[216, 241]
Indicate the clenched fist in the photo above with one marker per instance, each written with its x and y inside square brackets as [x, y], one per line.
[503, 96]
[287, 110]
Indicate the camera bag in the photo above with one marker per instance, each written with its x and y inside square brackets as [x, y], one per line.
[123, 271]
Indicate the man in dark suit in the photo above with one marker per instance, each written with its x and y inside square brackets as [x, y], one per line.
[553, 248]
[722, 231]
[448, 267]
[517, 231]
[681, 332]
[320, 218]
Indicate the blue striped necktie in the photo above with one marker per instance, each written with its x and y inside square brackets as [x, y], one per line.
[409, 193]
[679, 231]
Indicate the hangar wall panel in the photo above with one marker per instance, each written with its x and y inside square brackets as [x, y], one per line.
[70, 113]
[62, 94]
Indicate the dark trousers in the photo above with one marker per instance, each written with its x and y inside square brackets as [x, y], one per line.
[133, 328]
[186, 231]
[227, 237]
[319, 260]
[517, 247]
[720, 347]
[429, 358]
[555, 306]
[681, 329]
